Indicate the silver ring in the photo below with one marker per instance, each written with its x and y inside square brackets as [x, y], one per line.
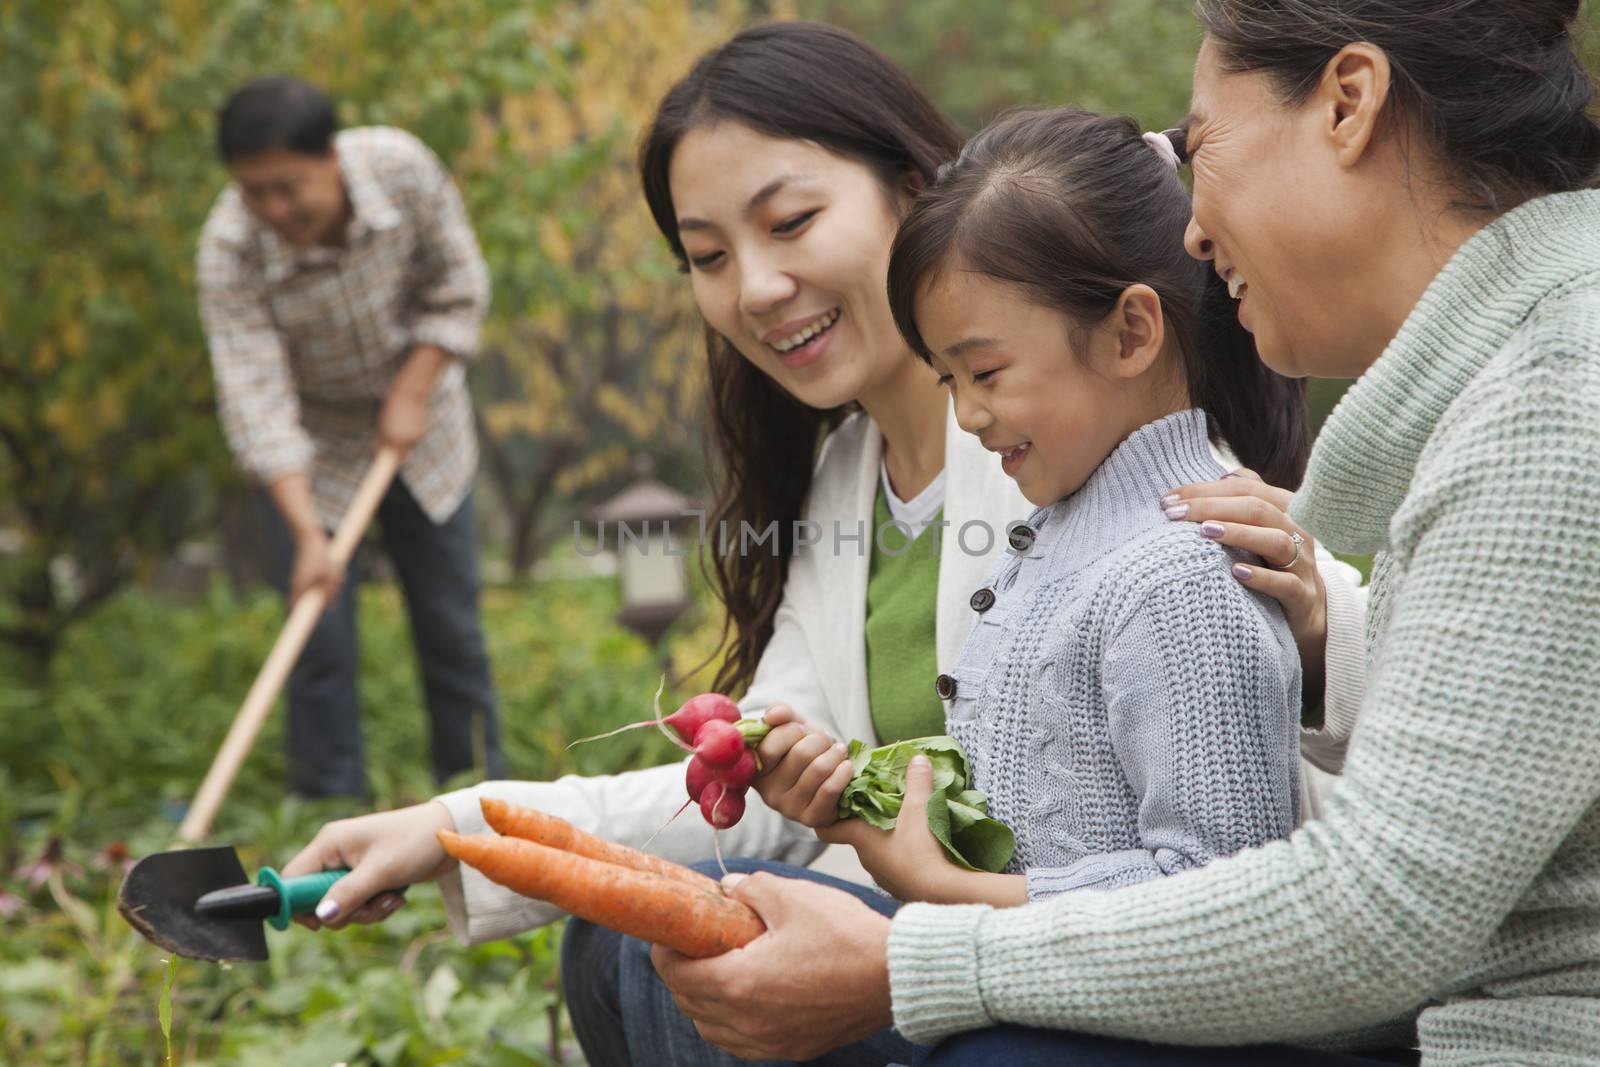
[1298, 539]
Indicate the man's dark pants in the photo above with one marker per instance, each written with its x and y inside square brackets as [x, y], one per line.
[437, 566]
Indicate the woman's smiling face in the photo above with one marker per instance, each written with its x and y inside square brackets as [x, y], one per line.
[1287, 225]
[788, 248]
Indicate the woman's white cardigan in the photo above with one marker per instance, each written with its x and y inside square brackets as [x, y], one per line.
[816, 663]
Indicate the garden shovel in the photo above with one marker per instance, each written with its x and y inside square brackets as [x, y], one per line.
[199, 902]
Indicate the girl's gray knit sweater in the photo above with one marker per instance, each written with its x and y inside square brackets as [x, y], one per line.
[1457, 868]
[1130, 709]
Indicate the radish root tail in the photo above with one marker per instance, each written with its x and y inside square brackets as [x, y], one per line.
[644, 847]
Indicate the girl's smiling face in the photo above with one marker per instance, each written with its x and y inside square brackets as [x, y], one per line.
[1051, 398]
[788, 249]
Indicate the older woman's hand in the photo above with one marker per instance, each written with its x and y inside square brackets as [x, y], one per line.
[816, 980]
[1243, 511]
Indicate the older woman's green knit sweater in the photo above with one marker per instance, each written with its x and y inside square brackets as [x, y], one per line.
[1457, 870]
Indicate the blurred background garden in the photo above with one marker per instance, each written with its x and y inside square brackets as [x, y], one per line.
[132, 614]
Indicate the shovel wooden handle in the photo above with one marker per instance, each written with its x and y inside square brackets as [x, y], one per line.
[291, 640]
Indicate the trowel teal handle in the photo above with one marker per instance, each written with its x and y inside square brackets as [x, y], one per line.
[298, 895]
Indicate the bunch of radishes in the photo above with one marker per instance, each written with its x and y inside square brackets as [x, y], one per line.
[723, 761]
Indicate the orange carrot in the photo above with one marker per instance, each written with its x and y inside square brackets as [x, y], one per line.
[647, 906]
[514, 820]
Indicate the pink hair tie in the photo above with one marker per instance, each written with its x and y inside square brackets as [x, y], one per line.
[1163, 146]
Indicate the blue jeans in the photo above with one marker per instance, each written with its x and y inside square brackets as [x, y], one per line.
[437, 565]
[623, 1014]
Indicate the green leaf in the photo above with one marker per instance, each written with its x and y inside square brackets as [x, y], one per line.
[164, 1005]
[986, 843]
[327, 1040]
[39, 976]
[387, 1052]
[957, 816]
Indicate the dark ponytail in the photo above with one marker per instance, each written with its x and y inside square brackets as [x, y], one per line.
[801, 81]
[1498, 88]
[1073, 207]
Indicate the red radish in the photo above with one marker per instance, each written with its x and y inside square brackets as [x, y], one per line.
[700, 779]
[686, 721]
[699, 710]
[741, 774]
[719, 744]
[697, 777]
[721, 805]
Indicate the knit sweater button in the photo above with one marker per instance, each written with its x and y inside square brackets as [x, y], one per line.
[982, 600]
[945, 686]
[1020, 537]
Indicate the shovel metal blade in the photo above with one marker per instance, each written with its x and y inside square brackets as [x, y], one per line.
[158, 897]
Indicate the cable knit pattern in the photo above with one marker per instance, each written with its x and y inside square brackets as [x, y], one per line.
[1455, 877]
[1130, 709]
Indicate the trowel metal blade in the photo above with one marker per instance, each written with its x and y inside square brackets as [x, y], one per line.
[158, 896]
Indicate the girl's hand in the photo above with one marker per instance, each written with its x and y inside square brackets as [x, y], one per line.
[1243, 511]
[908, 861]
[804, 769]
[384, 851]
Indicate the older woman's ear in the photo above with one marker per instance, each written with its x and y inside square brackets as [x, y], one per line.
[1353, 100]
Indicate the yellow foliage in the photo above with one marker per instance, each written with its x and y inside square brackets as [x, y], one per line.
[595, 468]
[595, 327]
[45, 357]
[72, 335]
[633, 412]
[108, 406]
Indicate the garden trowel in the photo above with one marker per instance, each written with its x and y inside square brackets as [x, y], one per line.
[199, 902]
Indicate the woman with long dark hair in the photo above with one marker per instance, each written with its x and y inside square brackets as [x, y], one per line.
[778, 171]
[1397, 191]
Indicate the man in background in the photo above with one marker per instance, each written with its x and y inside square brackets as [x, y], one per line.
[341, 291]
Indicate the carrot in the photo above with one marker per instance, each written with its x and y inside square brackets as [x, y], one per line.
[514, 820]
[694, 921]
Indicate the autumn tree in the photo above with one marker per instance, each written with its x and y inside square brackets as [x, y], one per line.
[592, 353]
[975, 60]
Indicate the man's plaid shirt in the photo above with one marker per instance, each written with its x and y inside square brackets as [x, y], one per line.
[305, 343]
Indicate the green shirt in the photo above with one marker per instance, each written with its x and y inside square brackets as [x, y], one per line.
[902, 658]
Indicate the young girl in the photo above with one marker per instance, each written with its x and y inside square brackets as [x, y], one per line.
[1129, 708]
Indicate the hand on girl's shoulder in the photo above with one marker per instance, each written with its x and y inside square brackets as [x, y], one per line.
[1171, 556]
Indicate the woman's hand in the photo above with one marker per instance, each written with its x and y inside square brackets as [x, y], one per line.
[1243, 511]
[909, 863]
[385, 851]
[804, 770]
[823, 961]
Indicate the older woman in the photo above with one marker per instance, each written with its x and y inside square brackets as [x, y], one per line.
[1397, 191]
